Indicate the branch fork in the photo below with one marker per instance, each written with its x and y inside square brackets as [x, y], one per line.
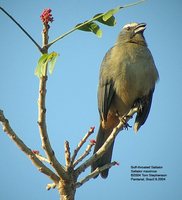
[66, 177]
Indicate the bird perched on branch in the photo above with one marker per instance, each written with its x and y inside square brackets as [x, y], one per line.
[127, 76]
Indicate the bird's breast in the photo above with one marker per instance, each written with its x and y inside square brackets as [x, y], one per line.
[134, 75]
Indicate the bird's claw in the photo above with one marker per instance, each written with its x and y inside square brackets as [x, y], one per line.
[124, 120]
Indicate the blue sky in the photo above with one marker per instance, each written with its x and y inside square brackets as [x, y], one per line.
[72, 97]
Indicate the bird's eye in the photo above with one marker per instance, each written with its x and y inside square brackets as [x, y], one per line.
[128, 28]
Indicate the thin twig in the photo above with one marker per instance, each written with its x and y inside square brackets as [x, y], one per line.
[81, 143]
[36, 162]
[132, 4]
[67, 154]
[87, 151]
[107, 143]
[87, 22]
[96, 172]
[42, 158]
[26, 33]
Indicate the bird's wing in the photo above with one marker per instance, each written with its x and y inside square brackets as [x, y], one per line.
[106, 88]
[105, 95]
[144, 111]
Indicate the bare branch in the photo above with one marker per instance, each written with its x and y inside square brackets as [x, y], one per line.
[42, 158]
[42, 117]
[95, 173]
[67, 154]
[36, 162]
[26, 33]
[81, 143]
[108, 142]
[43, 129]
[87, 151]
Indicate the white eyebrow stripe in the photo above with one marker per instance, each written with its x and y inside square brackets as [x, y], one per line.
[130, 25]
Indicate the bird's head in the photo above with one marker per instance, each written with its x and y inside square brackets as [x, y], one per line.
[132, 32]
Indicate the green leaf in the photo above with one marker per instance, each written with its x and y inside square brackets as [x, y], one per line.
[96, 29]
[84, 27]
[109, 22]
[110, 13]
[90, 27]
[106, 18]
[40, 69]
[46, 60]
[53, 59]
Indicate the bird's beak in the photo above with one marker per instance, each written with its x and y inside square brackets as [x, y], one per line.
[140, 28]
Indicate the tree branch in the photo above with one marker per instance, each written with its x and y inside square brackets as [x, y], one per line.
[89, 21]
[26, 33]
[42, 116]
[87, 151]
[36, 162]
[108, 142]
[95, 173]
[42, 158]
[43, 129]
[67, 154]
[81, 144]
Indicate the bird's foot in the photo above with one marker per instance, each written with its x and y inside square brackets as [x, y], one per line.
[124, 119]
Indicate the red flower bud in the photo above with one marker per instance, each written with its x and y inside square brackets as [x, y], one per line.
[46, 16]
[35, 151]
[92, 141]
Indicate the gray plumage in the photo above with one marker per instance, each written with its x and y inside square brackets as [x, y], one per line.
[127, 76]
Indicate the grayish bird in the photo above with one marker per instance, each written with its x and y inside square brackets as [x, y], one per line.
[127, 76]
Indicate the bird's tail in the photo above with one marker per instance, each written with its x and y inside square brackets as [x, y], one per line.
[102, 136]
